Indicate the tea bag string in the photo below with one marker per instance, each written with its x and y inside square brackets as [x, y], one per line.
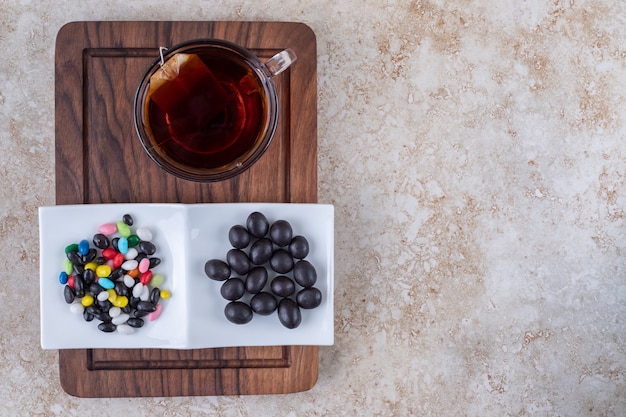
[161, 49]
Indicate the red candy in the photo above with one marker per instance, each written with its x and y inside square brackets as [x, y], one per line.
[118, 260]
[109, 253]
[146, 277]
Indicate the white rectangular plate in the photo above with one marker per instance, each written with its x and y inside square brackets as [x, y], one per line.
[186, 237]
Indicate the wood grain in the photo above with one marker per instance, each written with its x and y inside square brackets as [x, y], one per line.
[98, 66]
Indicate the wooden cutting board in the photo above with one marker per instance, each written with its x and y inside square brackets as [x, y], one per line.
[99, 159]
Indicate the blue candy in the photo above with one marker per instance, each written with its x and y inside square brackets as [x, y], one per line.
[122, 245]
[106, 283]
[83, 247]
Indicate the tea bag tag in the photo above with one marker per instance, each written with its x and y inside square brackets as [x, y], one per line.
[169, 70]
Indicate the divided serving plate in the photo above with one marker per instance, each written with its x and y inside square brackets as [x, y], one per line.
[186, 236]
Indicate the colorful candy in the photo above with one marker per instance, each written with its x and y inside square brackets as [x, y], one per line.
[113, 282]
[83, 247]
[71, 248]
[118, 260]
[123, 229]
[145, 277]
[105, 283]
[155, 314]
[133, 240]
[107, 229]
[68, 267]
[103, 271]
[122, 245]
[87, 300]
[144, 265]
[157, 280]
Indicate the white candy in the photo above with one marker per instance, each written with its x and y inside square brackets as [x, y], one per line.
[115, 311]
[131, 253]
[129, 281]
[103, 295]
[125, 329]
[144, 234]
[130, 265]
[137, 290]
[122, 318]
[76, 308]
[145, 293]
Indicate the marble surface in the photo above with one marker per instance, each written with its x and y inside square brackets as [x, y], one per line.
[475, 154]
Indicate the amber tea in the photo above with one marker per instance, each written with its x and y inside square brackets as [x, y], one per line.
[208, 109]
[208, 114]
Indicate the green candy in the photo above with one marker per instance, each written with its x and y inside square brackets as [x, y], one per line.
[133, 240]
[68, 267]
[71, 248]
[123, 229]
[157, 280]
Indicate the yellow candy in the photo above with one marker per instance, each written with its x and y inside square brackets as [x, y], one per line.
[120, 301]
[87, 300]
[112, 295]
[103, 271]
[165, 294]
[91, 265]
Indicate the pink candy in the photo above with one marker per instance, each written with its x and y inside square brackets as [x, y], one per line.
[144, 265]
[108, 229]
[156, 313]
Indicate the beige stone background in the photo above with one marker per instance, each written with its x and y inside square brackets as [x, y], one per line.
[475, 153]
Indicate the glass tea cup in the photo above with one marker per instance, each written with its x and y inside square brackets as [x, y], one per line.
[208, 109]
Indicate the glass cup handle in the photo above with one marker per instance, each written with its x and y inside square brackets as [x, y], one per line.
[280, 62]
